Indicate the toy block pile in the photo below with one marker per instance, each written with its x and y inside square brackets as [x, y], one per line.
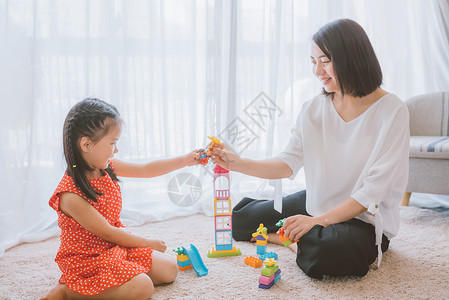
[270, 274]
[183, 260]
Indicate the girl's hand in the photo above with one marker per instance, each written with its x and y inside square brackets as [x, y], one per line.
[158, 245]
[222, 155]
[296, 226]
[191, 159]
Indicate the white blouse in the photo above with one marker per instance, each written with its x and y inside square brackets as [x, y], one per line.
[365, 159]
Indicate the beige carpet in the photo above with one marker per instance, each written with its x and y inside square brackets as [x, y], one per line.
[415, 267]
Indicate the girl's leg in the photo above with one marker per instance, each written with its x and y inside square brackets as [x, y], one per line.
[138, 287]
[249, 213]
[164, 268]
[343, 249]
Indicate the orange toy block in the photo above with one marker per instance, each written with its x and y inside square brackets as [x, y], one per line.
[185, 268]
[285, 241]
[253, 261]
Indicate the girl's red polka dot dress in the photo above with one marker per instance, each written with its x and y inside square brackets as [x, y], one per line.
[89, 264]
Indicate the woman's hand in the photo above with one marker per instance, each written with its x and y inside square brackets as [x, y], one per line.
[296, 226]
[157, 245]
[222, 155]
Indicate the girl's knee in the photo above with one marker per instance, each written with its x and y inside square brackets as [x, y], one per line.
[171, 272]
[143, 287]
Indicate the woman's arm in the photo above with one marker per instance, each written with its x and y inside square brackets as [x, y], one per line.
[272, 168]
[296, 226]
[87, 216]
[154, 168]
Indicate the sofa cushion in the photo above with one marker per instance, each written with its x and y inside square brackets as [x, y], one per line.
[429, 147]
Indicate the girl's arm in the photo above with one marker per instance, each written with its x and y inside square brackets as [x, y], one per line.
[87, 216]
[296, 226]
[272, 168]
[154, 168]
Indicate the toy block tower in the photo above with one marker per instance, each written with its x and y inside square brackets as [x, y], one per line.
[222, 215]
[183, 260]
[261, 239]
[270, 274]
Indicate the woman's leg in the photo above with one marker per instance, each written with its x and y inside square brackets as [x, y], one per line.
[344, 249]
[164, 268]
[249, 213]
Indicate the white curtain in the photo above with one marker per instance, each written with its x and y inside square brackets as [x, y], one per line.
[179, 71]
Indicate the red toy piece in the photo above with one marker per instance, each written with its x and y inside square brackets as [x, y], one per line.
[285, 241]
[203, 155]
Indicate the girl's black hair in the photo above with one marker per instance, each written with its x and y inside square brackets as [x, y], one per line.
[355, 63]
[92, 118]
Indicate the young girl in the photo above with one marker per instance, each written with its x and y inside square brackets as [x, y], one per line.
[98, 259]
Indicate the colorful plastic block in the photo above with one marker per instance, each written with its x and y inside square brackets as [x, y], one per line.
[182, 257]
[267, 280]
[185, 268]
[253, 261]
[263, 286]
[184, 263]
[183, 260]
[270, 267]
[261, 249]
[261, 232]
[285, 241]
[269, 255]
[214, 253]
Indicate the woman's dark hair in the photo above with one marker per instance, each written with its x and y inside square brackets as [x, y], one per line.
[92, 118]
[355, 64]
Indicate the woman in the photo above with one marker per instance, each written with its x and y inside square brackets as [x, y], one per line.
[353, 142]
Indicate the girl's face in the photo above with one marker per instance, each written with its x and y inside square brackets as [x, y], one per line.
[323, 69]
[98, 155]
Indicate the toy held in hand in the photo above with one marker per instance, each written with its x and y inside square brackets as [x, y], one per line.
[203, 155]
[285, 240]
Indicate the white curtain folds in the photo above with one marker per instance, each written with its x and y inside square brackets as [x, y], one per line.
[179, 71]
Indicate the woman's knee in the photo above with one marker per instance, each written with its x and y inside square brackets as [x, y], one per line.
[313, 256]
[328, 253]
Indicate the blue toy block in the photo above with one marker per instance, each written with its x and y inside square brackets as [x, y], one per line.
[277, 278]
[223, 247]
[261, 249]
[269, 255]
[184, 263]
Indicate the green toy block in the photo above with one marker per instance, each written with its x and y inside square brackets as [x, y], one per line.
[268, 271]
[223, 254]
[287, 243]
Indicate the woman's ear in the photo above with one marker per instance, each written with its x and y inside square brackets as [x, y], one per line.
[85, 144]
